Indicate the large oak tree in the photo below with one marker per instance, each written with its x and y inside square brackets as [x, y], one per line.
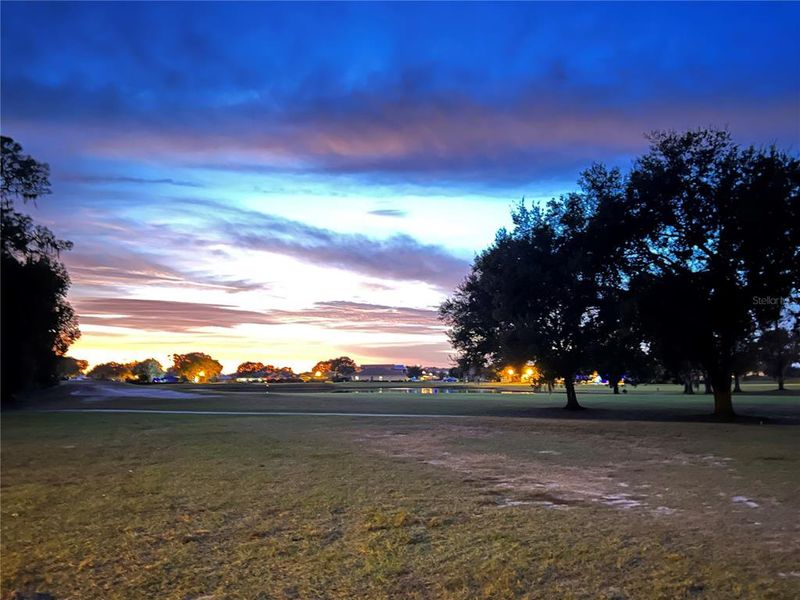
[713, 246]
[683, 259]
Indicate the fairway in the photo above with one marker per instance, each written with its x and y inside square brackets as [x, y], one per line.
[500, 496]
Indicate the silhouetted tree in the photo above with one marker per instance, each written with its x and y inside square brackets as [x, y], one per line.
[712, 229]
[70, 367]
[618, 351]
[702, 238]
[147, 370]
[745, 359]
[533, 295]
[778, 348]
[414, 371]
[112, 371]
[322, 369]
[342, 367]
[38, 324]
[280, 373]
[677, 340]
[335, 368]
[473, 331]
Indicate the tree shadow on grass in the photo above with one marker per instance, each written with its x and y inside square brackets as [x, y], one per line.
[775, 392]
[765, 414]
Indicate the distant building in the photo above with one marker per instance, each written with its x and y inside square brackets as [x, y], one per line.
[381, 373]
[251, 377]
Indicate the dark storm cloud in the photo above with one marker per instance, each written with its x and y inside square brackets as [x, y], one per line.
[393, 133]
[486, 94]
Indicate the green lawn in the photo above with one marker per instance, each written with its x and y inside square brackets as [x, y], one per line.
[643, 402]
[620, 501]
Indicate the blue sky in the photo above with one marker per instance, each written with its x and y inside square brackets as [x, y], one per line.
[288, 182]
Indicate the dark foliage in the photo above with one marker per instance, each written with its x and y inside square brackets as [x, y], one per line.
[678, 264]
[777, 349]
[38, 324]
[714, 247]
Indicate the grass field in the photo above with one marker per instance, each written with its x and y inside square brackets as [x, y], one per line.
[508, 497]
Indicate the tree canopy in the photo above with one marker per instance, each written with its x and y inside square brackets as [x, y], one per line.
[414, 371]
[38, 323]
[713, 242]
[249, 368]
[196, 366]
[681, 260]
[344, 366]
[112, 371]
[71, 367]
[777, 349]
[147, 370]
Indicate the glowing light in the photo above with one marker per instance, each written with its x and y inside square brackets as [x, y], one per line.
[510, 371]
[318, 374]
[528, 371]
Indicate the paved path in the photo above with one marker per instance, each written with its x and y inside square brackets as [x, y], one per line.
[242, 413]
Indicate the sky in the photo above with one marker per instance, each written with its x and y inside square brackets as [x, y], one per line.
[292, 182]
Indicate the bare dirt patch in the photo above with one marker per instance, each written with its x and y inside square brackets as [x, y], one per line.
[506, 480]
[659, 475]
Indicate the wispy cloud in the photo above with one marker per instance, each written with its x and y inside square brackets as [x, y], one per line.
[177, 316]
[435, 353]
[398, 257]
[388, 212]
[162, 315]
[359, 316]
[110, 272]
[111, 179]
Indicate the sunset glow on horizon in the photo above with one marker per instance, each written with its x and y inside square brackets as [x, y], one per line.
[318, 184]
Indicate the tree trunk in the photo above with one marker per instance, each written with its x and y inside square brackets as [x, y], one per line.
[780, 382]
[613, 381]
[736, 387]
[723, 402]
[572, 397]
[687, 384]
[709, 388]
